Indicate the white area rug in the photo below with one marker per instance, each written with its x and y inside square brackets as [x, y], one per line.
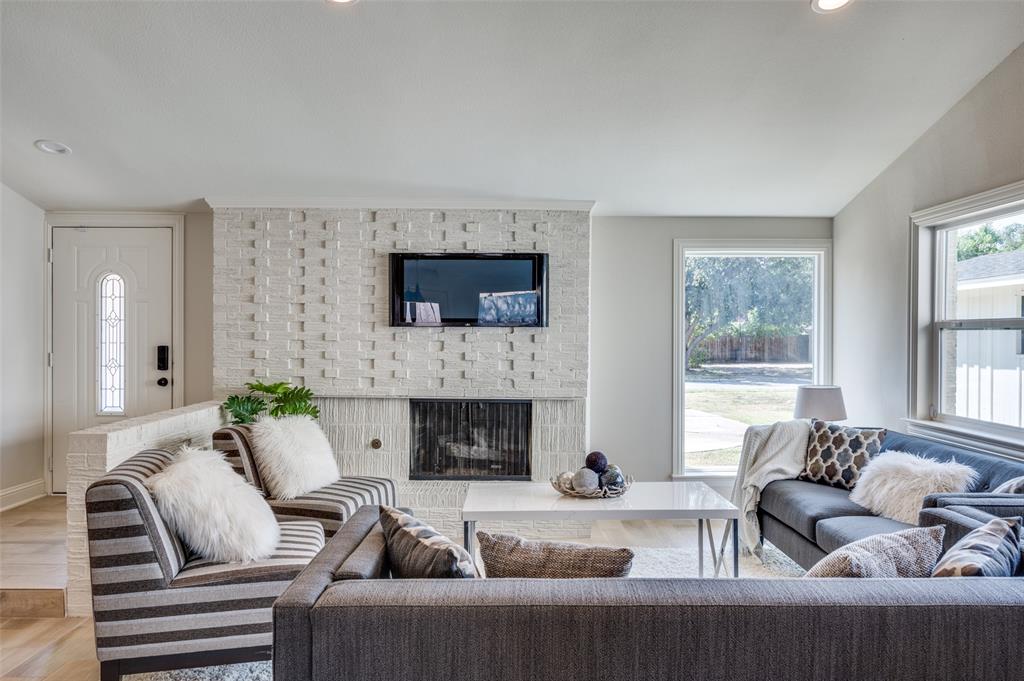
[649, 562]
[683, 563]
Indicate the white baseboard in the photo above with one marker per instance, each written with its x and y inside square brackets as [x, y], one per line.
[16, 495]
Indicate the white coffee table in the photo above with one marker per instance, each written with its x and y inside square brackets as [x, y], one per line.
[643, 501]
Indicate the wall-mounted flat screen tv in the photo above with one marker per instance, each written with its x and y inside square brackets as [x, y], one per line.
[469, 289]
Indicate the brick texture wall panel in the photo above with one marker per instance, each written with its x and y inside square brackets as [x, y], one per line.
[303, 295]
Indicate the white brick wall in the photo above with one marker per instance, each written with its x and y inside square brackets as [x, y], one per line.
[559, 444]
[302, 295]
[94, 451]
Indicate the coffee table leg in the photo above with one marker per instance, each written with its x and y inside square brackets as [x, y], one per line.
[735, 547]
[700, 547]
[468, 534]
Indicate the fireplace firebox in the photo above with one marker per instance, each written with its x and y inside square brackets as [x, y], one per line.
[470, 439]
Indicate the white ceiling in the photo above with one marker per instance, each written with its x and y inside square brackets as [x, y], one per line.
[668, 108]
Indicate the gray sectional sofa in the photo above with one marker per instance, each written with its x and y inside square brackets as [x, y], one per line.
[807, 520]
[342, 619]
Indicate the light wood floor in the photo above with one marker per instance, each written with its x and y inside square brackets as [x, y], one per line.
[36, 649]
[33, 549]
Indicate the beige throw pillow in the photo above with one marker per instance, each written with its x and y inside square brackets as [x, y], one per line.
[506, 555]
[907, 553]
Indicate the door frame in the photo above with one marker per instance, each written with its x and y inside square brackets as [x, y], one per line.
[821, 249]
[176, 223]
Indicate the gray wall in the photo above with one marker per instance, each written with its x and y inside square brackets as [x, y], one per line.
[21, 344]
[631, 327]
[977, 145]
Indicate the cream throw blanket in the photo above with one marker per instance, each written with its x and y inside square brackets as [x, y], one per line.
[773, 452]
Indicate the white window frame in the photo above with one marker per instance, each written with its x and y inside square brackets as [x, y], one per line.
[926, 320]
[821, 347]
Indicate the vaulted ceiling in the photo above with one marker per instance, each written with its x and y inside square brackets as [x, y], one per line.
[664, 108]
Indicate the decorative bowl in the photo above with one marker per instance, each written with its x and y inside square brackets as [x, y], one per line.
[601, 493]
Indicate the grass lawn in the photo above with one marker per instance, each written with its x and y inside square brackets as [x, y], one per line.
[714, 457]
[750, 404]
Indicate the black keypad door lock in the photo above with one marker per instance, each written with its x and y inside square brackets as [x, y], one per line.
[162, 382]
[163, 357]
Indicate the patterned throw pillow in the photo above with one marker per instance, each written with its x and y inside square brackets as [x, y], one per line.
[1012, 486]
[418, 551]
[907, 553]
[506, 555]
[992, 550]
[836, 454]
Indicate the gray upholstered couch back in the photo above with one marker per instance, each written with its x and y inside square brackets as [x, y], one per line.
[636, 629]
[993, 470]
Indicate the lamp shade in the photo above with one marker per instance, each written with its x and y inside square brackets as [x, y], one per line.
[824, 402]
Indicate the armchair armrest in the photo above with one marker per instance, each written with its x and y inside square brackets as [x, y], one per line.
[292, 633]
[999, 505]
[957, 524]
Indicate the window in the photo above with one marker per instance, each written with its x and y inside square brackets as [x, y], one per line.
[110, 341]
[967, 321]
[751, 327]
[980, 276]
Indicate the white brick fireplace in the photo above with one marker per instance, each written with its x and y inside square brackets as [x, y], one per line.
[301, 294]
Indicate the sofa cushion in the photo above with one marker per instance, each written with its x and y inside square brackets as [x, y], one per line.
[300, 542]
[992, 470]
[334, 504]
[802, 504]
[834, 533]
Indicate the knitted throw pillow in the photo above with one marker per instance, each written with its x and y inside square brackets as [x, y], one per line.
[507, 555]
[907, 553]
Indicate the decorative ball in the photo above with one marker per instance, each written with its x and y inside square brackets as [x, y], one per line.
[612, 478]
[565, 480]
[585, 480]
[597, 462]
[613, 467]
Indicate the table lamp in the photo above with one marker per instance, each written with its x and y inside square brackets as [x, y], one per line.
[822, 402]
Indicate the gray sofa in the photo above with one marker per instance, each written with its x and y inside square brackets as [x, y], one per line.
[807, 520]
[342, 619]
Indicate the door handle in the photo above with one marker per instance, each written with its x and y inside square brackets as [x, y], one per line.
[163, 357]
[162, 382]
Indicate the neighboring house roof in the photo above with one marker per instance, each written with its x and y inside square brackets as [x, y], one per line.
[992, 265]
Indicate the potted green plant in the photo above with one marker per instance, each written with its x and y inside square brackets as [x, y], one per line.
[276, 399]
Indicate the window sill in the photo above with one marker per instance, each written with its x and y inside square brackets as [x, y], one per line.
[700, 475]
[969, 438]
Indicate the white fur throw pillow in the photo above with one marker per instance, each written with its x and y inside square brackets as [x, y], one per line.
[214, 510]
[895, 484]
[293, 455]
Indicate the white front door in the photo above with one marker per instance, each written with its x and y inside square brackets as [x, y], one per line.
[111, 314]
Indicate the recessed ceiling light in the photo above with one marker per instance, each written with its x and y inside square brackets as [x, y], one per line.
[341, 2]
[826, 6]
[53, 147]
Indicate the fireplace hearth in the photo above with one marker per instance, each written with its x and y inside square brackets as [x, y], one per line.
[470, 439]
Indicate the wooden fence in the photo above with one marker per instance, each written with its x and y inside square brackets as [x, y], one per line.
[795, 349]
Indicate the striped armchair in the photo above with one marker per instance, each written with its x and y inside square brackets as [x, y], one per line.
[155, 606]
[331, 505]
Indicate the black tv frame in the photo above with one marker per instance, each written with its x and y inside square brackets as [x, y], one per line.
[396, 276]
